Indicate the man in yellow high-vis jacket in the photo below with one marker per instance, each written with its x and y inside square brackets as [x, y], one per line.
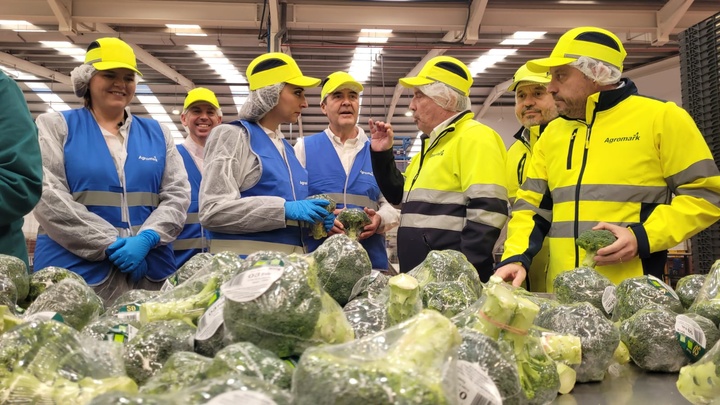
[612, 160]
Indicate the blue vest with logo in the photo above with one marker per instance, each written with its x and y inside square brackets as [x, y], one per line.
[278, 179]
[93, 181]
[190, 241]
[326, 175]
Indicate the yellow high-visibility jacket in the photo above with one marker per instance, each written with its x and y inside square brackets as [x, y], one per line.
[621, 164]
[455, 196]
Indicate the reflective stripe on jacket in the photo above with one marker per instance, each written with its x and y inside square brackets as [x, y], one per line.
[359, 189]
[621, 165]
[455, 196]
[281, 178]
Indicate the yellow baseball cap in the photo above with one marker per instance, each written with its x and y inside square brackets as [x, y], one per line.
[445, 69]
[111, 53]
[524, 74]
[339, 81]
[275, 67]
[201, 94]
[593, 42]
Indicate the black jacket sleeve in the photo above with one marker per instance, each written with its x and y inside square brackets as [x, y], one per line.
[388, 177]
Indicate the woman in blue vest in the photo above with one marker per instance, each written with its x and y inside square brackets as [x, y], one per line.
[253, 189]
[338, 164]
[115, 194]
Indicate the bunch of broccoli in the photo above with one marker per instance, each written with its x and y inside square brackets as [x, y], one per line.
[688, 288]
[353, 221]
[635, 293]
[402, 365]
[15, 269]
[42, 279]
[181, 370]
[248, 359]
[447, 265]
[317, 230]
[367, 316]
[707, 302]
[340, 262]
[591, 241]
[73, 300]
[183, 302]
[583, 284]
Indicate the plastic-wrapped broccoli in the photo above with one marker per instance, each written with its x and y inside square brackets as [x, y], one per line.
[340, 262]
[153, 345]
[449, 298]
[248, 359]
[496, 360]
[447, 265]
[115, 398]
[405, 364]
[598, 335]
[583, 284]
[187, 270]
[707, 302]
[699, 383]
[8, 320]
[279, 305]
[73, 300]
[688, 288]
[591, 241]
[130, 297]
[181, 370]
[370, 286]
[562, 348]
[111, 328]
[366, 316]
[317, 230]
[44, 278]
[655, 337]
[8, 293]
[354, 221]
[403, 299]
[633, 294]
[182, 302]
[15, 269]
[50, 362]
[232, 389]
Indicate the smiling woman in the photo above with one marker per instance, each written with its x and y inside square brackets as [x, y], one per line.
[114, 192]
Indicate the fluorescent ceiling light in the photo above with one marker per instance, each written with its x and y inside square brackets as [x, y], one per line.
[67, 48]
[523, 37]
[372, 40]
[188, 34]
[376, 31]
[20, 26]
[45, 93]
[213, 56]
[183, 26]
[489, 59]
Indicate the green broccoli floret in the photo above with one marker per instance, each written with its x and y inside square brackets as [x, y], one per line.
[186, 308]
[447, 265]
[707, 302]
[583, 284]
[248, 359]
[688, 287]
[340, 263]
[73, 300]
[8, 293]
[181, 370]
[635, 293]
[354, 221]
[153, 345]
[699, 383]
[15, 269]
[403, 366]
[317, 230]
[650, 338]
[591, 241]
[448, 298]
[44, 278]
[404, 299]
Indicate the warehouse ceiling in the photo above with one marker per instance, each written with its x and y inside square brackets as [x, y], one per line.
[323, 36]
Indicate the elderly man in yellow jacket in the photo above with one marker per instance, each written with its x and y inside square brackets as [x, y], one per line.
[612, 160]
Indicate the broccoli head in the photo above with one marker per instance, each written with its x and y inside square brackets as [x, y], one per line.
[15, 269]
[688, 287]
[73, 300]
[354, 221]
[340, 263]
[447, 265]
[317, 230]
[448, 298]
[8, 293]
[179, 371]
[583, 284]
[248, 359]
[649, 335]
[44, 278]
[241, 389]
[635, 293]
[591, 241]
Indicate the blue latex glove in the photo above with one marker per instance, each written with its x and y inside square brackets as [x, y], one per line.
[311, 211]
[329, 222]
[139, 272]
[128, 253]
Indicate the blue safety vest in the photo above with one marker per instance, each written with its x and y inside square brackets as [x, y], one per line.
[93, 181]
[279, 179]
[326, 175]
[191, 240]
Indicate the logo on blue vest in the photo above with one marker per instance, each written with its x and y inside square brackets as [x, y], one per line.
[153, 158]
[366, 173]
[303, 183]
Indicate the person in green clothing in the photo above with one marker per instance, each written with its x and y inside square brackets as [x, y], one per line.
[20, 167]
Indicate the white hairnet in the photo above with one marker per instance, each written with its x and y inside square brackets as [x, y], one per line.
[80, 77]
[446, 97]
[601, 73]
[260, 102]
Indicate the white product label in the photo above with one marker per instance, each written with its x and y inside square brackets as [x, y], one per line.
[241, 397]
[688, 327]
[211, 320]
[130, 312]
[44, 316]
[659, 283]
[609, 299]
[475, 387]
[251, 284]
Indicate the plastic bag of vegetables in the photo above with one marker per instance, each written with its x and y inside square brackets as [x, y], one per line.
[699, 383]
[707, 302]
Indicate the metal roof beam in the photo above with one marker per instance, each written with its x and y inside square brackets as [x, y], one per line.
[668, 18]
[63, 12]
[477, 11]
[37, 70]
[495, 94]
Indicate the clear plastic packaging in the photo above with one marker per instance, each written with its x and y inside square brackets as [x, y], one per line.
[73, 300]
[366, 316]
[15, 269]
[598, 335]
[277, 303]
[633, 294]
[44, 278]
[111, 328]
[181, 370]
[688, 288]
[449, 298]
[8, 293]
[340, 262]
[370, 286]
[187, 270]
[410, 363]
[447, 265]
[583, 284]
[248, 359]
[699, 383]
[707, 302]
[232, 389]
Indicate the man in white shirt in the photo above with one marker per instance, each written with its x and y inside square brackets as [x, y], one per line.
[346, 175]
[201, 113]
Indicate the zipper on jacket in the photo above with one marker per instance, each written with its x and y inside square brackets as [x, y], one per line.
[576, 224]
[570, 149]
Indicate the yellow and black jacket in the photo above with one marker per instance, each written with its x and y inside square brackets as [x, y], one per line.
[454, 194]
[621, 165]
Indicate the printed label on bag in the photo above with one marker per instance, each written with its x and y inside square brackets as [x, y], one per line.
[251, 284]
[660, 285]
[609, 299]
[211, 320]
[475, 387]
[44, 316]
[121, 333]
[241, 397]
[130, 312]
[691, 337]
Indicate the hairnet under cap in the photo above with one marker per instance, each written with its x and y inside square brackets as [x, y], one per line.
[259, 102]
